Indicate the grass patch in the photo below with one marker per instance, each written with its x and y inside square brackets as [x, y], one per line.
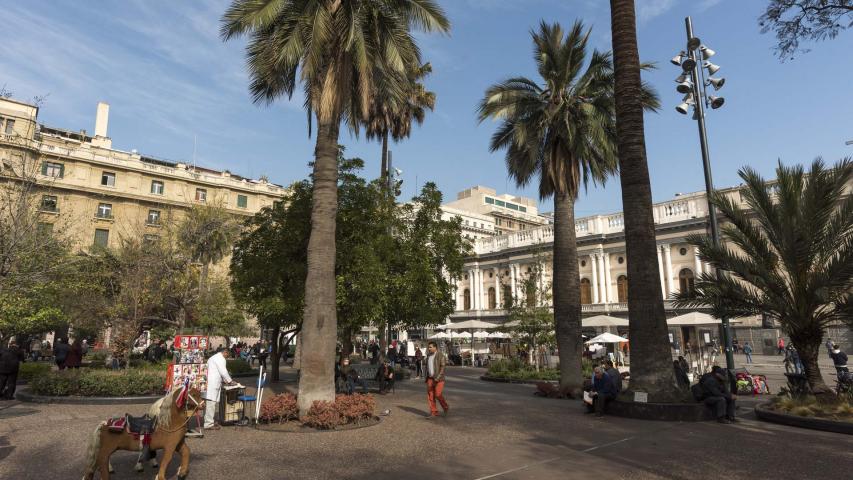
[808, 406]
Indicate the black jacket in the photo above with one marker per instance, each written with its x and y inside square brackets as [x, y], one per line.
[713, 387]
[10, 359]
[839, 359]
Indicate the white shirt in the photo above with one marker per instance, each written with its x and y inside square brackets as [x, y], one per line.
[431, 365]
[216, 372]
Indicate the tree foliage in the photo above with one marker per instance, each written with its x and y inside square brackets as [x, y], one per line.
[794, 21]
[789, 255]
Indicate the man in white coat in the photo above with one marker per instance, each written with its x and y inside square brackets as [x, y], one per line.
[216, 373]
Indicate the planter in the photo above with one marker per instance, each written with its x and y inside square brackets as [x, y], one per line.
[296, 427]
[768, 415]
[488, 378]
[24, 395]
[673, 412]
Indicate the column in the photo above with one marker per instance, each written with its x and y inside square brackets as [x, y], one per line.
[471, 296]
[513, 272]
[479, 289]
[660, 272]
[594, 278]
[698, 263]
[602, 278]
[667, 257]
[607, 280]
[497, 288]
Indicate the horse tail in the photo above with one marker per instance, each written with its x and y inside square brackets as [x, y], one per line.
[92, 451]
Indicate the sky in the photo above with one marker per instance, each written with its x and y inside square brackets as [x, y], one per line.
[176, 91]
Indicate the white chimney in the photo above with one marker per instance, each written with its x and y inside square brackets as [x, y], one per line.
[102, 118]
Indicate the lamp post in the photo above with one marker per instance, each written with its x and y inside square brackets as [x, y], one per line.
[694, 85]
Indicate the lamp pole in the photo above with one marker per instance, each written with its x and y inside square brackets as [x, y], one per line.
[700, 100]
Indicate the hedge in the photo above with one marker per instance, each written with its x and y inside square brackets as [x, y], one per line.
[236, 366]
[99, 383]
[29, 370]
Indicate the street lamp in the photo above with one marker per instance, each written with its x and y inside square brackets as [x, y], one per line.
[699, 99]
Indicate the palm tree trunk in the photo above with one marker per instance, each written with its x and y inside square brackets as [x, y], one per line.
[319, 326]
[808, 348]
[566, 292]
[651, 360]
[384, 172]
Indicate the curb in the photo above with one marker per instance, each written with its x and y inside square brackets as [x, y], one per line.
[310, 430]
[826, 425]
[673, 412]
[510, 380]
[25, 396]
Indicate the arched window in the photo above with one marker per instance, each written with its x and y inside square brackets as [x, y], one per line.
[507, 296]
[622, 288]
[493, 300]
[586, 292]
[686, 281]
[466, 299]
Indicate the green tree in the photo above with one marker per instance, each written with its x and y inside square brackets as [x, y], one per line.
[335, 45]
[796, 20]
[530, 317]
[217, 313]
[208, 232]
[562, 132]
[651, 360]
[788, 255]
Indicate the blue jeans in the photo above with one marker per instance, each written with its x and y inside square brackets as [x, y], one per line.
[352, 382]
[748, 357]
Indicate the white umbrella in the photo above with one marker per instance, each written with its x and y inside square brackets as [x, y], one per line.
[469, 325]
[498, 335]
[440, 336]
[607, 337]
[694, 318]
[481, 334]
[604, 321]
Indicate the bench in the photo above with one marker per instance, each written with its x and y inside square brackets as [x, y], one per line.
[366, 372]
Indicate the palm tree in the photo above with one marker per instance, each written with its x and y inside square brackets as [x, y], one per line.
[331, 47]
[207, 233]
[393, 117]
[792, 257]
[563, 133]
[651, 360]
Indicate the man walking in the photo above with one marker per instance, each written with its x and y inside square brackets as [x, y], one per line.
[839, 359]
[60, 352]
[216, 373]
[747, 350]
[781, 345]
[10, 361]
[436, 364]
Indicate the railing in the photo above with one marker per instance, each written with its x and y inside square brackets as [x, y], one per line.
[585, 308]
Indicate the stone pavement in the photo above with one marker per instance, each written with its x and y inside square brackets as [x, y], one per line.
[495, 431]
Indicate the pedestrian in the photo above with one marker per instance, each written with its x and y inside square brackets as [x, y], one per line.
[839, 359]
[374, 352]
[781, 346]
[35, 349]
[351, 377]
[615, 376]
[683, 364]
[436, 364]
[680, 375]
[217, 371]
[392, 355]
[385, 376]
[794, 358]
[717, 396]
[829, 346]
[75, 355]
[10, 361]
[747, 350]
[419, 359]
[603, 391]
[60, 353]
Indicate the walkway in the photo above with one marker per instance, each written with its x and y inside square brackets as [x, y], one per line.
[495, 431]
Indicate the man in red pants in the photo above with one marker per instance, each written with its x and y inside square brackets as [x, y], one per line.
[436, 364]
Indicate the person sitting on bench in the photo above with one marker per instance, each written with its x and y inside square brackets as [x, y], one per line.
[716, 396]
[351, 377]
[385, 377]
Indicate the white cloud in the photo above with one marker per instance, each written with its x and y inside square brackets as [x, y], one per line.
[649, 9]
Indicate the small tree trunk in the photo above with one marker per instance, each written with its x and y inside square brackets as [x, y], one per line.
[566, 296]
[384, 172]
[276, 353]
[346, 343]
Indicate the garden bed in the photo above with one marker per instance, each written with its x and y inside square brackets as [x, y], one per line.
[298, 427]
[346, 412]
[24, 395]
[807, 412]
[99, 383]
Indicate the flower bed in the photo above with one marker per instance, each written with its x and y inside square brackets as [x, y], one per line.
[99, 383]
[840, 410]
[345, 411]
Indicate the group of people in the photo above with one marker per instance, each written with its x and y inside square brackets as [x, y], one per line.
[605, 386]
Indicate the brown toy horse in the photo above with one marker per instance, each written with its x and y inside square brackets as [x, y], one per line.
[169, 432]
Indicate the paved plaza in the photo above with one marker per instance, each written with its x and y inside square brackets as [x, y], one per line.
[495, 430]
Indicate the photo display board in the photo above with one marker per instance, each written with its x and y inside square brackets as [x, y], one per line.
[190, 362]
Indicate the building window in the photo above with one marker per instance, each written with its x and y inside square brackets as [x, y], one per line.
[490, 200]
[156, 187]
[153, 217]
[242, 201]
[507, 298]
[52, 169]
[49, 203]
[466, 299]
[621, 260]
[44, 229]
[108, 179]
[682, 251]
[105, 210]
[622, 288]
[493, 299]
[522, 209]
[522, 226]
[500, 203]
[200, 195]
[583, 263]
[102, 237]
[10, 126]
[498, 222]
[586, 292]
[686, 282]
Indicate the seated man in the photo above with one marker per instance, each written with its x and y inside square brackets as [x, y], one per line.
[385, 376]
[717, 396]
[351, 377]
[603, 391]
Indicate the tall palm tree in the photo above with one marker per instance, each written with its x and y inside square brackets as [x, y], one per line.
[331, 47]
[207, 233]
[561, 132]
[651, 360]
[788, 255]
[394, 117]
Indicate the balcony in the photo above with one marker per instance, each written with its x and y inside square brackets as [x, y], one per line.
[104, 216]
[586, 310]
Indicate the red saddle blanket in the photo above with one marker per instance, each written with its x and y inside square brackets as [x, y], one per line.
[139, 427]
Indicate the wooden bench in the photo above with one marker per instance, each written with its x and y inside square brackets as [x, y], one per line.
[366, 372]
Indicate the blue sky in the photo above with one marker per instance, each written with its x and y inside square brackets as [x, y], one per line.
[169, 79]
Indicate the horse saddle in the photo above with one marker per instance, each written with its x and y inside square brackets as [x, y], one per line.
[143, 425]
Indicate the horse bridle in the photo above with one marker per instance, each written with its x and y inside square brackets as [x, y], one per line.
[198, 405]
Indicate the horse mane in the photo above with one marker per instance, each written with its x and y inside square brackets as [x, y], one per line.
[164, 417]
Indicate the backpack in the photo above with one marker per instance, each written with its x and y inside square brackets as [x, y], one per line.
[697, 392]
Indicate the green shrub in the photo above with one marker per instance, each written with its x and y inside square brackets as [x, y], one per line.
[30, 370]
[97, 359]
[237, 366]
[99, 383]
[515, 369]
